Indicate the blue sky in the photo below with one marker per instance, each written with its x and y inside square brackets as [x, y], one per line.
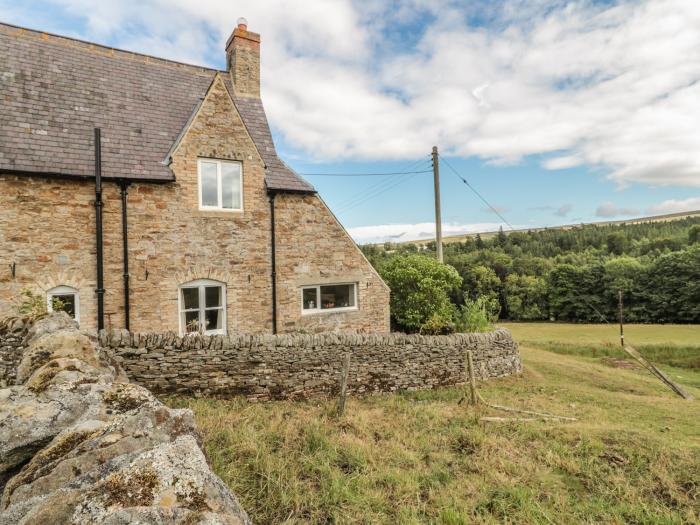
[557, 112]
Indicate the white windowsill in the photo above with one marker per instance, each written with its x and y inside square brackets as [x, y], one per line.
[224, 210]
[319, 311]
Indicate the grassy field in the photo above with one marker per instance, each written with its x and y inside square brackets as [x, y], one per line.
[633, 456]
[672, 345]
[600, 334]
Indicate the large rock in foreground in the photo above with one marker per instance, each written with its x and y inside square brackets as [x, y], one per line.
[79, 444]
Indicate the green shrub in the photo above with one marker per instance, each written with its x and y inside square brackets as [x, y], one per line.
[420, 293]
[30, 305]
[476, 315]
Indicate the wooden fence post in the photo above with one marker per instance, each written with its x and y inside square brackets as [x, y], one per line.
[344, 384]
[472, 381]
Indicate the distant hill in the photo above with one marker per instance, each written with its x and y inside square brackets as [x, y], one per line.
[486, 235]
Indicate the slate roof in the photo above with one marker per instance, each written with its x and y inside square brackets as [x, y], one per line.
[54, 90]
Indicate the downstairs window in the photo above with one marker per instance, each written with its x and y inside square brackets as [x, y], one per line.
[64, 298]
[328, 297]
[203, 307]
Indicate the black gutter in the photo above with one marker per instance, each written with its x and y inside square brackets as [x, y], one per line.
[98, 231]
[296, 192]
[79, 178]
[273, 274]
[123, 186]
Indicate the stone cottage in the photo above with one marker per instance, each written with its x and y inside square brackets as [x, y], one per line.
[143, 193]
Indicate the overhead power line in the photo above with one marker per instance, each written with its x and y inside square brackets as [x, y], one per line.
[388, 174]
[380, 187]
[465, 181]
[377, 193]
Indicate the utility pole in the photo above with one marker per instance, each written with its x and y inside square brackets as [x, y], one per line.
[438, 220]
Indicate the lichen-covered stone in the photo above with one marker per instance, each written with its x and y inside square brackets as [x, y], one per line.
[77, 446]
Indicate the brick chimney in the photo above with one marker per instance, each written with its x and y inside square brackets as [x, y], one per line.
[243, 60]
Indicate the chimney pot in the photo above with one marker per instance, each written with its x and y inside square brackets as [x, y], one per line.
[242, 23]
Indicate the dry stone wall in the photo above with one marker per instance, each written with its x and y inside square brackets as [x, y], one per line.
[12, 334]
[295, 365]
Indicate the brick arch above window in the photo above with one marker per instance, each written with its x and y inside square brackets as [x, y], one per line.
[51, 280]
[202, 272]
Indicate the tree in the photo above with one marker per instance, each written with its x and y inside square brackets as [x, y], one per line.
[583, 268]
[626, 275]
[694, 234]
[617, 242]
[527, 297]
[672, 287]
[420, 292]
[501, 238]
[480, 281]
[577, 293]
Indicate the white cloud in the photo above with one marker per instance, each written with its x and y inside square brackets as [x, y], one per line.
[413, 232]
[608, 209]
[614, 87]
[563, 210]
[676, 206]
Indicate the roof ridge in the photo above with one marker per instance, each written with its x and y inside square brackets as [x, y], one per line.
[86, 45]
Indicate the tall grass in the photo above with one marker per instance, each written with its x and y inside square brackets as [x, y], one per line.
[633, 456]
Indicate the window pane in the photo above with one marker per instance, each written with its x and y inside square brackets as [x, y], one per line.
[65, 303]
[209, 185]
[337, 296]
[214, 319]
[212, 296]
[191, 322]
[309, 299]
[231, 185]
[190, 298]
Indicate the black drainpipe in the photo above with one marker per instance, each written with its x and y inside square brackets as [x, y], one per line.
[273, 262]
[123, 185]
[98, 231]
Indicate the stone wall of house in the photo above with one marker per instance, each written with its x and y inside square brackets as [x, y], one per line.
[12, 334]
[313, 249]
[296, 365]
[47, 231]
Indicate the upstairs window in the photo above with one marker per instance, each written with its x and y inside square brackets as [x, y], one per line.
[220, 185]
[64, 298]
[203, 307]
[328, 297]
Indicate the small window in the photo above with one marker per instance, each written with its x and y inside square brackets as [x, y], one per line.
[220, 185]
[64, 298]
[328, 297]
[203, 307]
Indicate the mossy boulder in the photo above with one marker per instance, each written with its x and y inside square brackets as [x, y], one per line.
[79, 445]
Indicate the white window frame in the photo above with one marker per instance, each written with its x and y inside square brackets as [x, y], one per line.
[318, 309]
[64, 290]
[201, 284]
[219, 186]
